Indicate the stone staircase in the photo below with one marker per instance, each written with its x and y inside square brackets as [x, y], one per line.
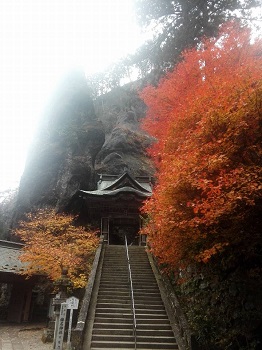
[113, 319]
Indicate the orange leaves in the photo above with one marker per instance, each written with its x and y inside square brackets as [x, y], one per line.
[207, 117]
[206, 255]
[52, 242]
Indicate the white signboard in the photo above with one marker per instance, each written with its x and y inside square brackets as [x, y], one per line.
[61, 327]
[72, 303]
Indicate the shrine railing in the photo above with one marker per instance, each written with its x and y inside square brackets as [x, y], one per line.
[131, 290]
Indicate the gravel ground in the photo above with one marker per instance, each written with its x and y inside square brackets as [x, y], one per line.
[22, 337]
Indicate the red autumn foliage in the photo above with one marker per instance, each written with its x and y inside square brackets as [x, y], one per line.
[207, 117]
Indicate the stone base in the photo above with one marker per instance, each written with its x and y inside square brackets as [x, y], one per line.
[48, 335]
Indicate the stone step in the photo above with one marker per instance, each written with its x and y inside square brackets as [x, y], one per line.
[137, 270]
[122, 286]
[125, 282]
[140, 348]
[110, 320]
[117, 304]
[127, 303]
[113, 284]
[127, 300]
[118, 293]
[116, 275]
[129, 331]
[109, 276]
[129, 320]
[113, 309]
[129, 338]
[143, 293]
[137, 281]
[130, 345]
[129, 315]
[119, 265]
[111, 289]
[122, 308]
[138, 284]
[113, 331]
[129, 325]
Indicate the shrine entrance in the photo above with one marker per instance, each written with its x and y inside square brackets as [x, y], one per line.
[114, 230]
[116, 206]
[121, 227]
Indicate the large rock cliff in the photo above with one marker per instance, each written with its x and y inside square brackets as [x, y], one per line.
[79, 138]
[125, 143]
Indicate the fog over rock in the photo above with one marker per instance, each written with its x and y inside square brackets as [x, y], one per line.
[79, 138]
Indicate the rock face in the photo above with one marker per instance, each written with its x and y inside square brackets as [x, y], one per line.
[78, 139]
[125, 143]
[7, 205]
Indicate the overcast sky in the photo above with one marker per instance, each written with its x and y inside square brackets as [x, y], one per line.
[40, 40]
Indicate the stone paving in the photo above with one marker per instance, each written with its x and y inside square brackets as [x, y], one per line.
[22, 337]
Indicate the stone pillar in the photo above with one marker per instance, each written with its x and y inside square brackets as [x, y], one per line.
[62, 284]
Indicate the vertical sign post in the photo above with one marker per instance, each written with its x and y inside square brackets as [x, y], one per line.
[61, 327]
[72, 304]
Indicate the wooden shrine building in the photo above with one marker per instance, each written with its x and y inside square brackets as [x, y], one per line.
[20, 306]
[115, 206]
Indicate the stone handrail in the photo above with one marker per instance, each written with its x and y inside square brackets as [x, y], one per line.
[78, 331]
[184, 337]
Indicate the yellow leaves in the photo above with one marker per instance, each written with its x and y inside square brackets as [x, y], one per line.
[52, 242]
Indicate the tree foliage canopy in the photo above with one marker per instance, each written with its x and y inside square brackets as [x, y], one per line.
[206, 115]
[175, 25]
[181, 24]
[207, 206]
[52, 243]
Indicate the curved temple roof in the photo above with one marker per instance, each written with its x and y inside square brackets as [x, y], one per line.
[108, 193]
[113, 185]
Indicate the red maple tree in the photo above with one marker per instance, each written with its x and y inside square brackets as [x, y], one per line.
[206, 116]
